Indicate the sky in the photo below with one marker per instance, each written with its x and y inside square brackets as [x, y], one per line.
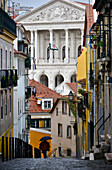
[37, 3]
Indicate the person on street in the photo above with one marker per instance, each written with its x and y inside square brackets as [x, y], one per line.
[44, 146]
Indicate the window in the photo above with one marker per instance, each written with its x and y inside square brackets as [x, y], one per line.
[18, 68]
[5, 103]
[10, 59]
[47, 104]
[6, 59]
[34, 123]
[60, 130]
[10, 104]
[69, 111]
[68, 131]
[64, 51]
[1, 59]
[57, 111]
[2, 106]
[64, 107]
[41, 123]
[79, 50]
[48, 123]
[68, 152]
[48, 53]
[18, 107]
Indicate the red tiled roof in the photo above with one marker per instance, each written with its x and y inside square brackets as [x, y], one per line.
[87, 14]
[19, 52]
[72, 86]
[13, 17]
[42, 92]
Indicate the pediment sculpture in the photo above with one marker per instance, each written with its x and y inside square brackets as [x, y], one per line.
[57, 13]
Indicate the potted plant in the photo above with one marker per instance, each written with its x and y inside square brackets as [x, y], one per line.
[101, 43]
[9, 81]
[14, 78]
[95, 46]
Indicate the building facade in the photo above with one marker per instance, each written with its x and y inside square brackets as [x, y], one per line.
[8, 75]
[62, 129]
[60, 23]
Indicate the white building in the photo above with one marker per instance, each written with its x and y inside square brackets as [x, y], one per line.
[60, 23]
[19, 91]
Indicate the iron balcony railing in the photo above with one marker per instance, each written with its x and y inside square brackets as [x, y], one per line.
[8, 78]
[28, 62]
[7, 23]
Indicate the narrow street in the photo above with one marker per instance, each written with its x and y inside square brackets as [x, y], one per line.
[54, 164]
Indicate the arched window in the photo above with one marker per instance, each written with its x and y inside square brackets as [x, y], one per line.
[79, 50]
[44, 80]
[64, 53]
[48, 53]
[73, 78]
[58, 80]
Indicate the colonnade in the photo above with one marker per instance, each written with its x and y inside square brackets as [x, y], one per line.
[51, 41]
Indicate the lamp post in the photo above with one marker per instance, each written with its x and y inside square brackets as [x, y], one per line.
[70, 96]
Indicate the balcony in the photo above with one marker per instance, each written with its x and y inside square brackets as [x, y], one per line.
[28, 63]
[7, 23]
[8, 78]
[22, 46]
[28, 92]
[4, 78]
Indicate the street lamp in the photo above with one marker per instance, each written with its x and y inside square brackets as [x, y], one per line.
[70, 96]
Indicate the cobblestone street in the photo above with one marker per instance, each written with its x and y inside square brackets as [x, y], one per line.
[54, 164]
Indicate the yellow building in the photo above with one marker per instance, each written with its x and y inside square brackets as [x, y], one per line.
[7, 36]
[35, 136]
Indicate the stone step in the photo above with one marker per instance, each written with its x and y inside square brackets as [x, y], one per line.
[108, 157]
[98, 155]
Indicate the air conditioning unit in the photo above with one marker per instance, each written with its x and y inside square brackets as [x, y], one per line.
[38, 101]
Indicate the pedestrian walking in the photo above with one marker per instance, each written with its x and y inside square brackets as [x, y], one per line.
[44, 146]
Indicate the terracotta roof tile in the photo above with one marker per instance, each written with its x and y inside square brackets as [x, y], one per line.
[87, 14]
[42, 92]
[73, 86]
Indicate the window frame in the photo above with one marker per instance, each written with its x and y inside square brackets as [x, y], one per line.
[56, 111]
[69, 111]
[64, 107]
[6, 103]
[10, 104]
[1, 54]
[60, 130]
[10, 59]
[69, 133]
[48, 104]
[1, 105]
[5, 59]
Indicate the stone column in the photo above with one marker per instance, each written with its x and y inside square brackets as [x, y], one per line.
[66, 59]
[32, 50]
[58, 46]
[72, 50]
[41, 47]
[51, 51]
[36, 45]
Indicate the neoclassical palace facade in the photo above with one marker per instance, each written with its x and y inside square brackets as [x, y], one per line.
[59, 22]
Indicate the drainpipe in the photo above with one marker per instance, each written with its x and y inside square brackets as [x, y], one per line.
[94, 98]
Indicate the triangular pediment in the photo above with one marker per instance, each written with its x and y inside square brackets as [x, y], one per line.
[54, 11]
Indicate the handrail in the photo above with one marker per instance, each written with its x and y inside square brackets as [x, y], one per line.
[101, 126]
[53, 151]
[98, 121]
